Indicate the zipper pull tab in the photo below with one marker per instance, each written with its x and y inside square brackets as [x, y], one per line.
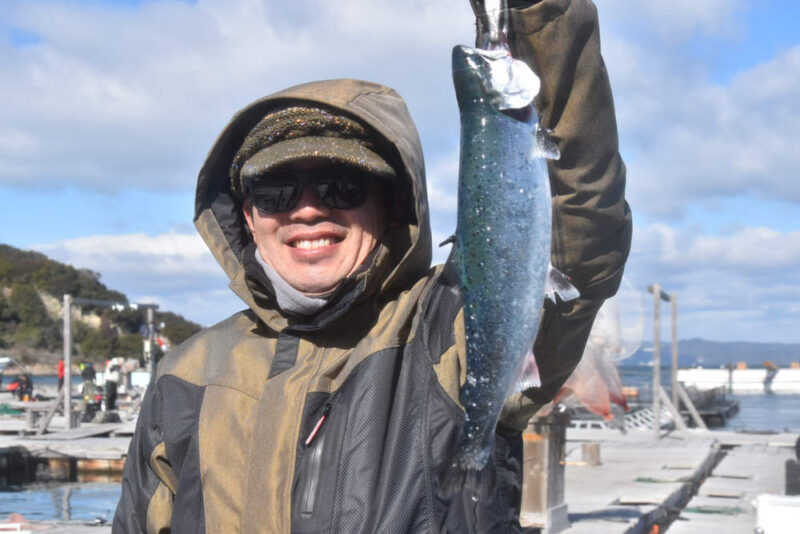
[326, 410]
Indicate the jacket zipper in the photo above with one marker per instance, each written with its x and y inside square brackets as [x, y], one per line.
[316, 442]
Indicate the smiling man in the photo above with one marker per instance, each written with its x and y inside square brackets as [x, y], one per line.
[313, 243]
[331, 402]
[313, 195]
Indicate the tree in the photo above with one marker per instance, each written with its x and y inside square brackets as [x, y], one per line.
[99, 344]
[128, 320]
[176, 328]
[24, 318]
[26, 304]
[34, 328]
[129, 346]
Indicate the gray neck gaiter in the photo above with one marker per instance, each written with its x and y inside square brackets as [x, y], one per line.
[289, 299]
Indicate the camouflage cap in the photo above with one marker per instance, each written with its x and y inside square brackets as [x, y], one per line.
[302, 133]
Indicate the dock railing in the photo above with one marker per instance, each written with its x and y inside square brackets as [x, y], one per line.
[662, 398]
[69, 301]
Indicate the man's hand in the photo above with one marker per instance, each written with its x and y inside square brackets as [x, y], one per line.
[482, 22]
[479, 8]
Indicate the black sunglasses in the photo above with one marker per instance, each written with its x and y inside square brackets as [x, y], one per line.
[338, 187]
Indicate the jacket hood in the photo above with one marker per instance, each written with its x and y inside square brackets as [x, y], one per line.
[405, 251]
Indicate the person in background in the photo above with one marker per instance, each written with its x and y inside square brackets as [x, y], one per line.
[89, 375]
[22, 386]
[112, 375]
[26, 387]
[60, 374]
[331, 403]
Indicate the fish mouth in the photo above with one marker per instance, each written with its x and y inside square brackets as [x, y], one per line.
[506, 82]
[476, 60]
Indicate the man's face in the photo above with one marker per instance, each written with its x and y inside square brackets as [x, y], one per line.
[312, 246]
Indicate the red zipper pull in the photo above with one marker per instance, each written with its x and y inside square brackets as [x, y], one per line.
[318, 426]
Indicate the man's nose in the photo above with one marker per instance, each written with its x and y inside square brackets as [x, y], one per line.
[310, 206]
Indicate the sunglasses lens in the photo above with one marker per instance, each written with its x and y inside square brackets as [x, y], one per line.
[343, 190]
[276, 194]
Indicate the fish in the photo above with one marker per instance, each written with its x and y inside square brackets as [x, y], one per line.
[501, 248]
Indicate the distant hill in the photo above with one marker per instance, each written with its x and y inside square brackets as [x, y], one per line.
[32, 288]
[719, 353]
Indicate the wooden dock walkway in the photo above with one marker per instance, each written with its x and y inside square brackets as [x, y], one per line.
[640, 481]
[691, 482]
[726, 501]
[89, 441]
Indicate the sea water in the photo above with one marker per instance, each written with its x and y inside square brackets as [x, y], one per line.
[81, 501]
[90, 501]
[766, 413]
[757, 412]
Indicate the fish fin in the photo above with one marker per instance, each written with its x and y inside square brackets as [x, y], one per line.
[558, 283]
[529, 375]
[449, 241]
[458, 476]
[545, 146]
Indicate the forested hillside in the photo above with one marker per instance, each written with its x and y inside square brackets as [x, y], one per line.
[32, 288]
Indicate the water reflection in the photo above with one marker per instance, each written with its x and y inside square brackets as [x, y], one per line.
[85, 501]
[766, 413]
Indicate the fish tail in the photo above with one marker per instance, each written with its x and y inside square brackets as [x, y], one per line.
[461, 476]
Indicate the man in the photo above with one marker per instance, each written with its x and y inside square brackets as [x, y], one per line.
[111, 382]
[60, 373]
[331, 403]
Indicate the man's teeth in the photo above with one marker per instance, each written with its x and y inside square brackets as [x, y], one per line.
[316, 243]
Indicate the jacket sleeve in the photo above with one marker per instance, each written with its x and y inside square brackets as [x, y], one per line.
[592, 226]
[148, 482]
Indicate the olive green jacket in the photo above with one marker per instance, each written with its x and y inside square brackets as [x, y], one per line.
[341, 422]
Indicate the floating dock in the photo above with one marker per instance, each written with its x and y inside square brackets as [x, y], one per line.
[743, 381]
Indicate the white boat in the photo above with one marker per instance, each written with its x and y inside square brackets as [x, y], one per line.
[779, 381]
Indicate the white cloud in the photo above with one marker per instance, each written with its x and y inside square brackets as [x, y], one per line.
[117, 96]
[739, 286]
[114, 97]
[674, 20]
[121, 96]
[747, 248]
[442, 182]
[174, 270]
[685, 135]
[164, 254]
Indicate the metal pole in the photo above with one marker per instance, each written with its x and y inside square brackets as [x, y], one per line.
[674, 306]
[656, 360]
[698, 420]
[680, 424]
[68, 360]
[151, 333]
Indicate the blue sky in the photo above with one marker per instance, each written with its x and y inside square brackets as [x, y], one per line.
[107, 109]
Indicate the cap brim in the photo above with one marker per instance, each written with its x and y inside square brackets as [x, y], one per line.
[336, 150]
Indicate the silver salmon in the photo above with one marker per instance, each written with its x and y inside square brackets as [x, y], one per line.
[502, 247]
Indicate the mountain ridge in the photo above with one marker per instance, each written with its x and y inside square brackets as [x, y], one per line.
[32, 288]
[707, 353]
